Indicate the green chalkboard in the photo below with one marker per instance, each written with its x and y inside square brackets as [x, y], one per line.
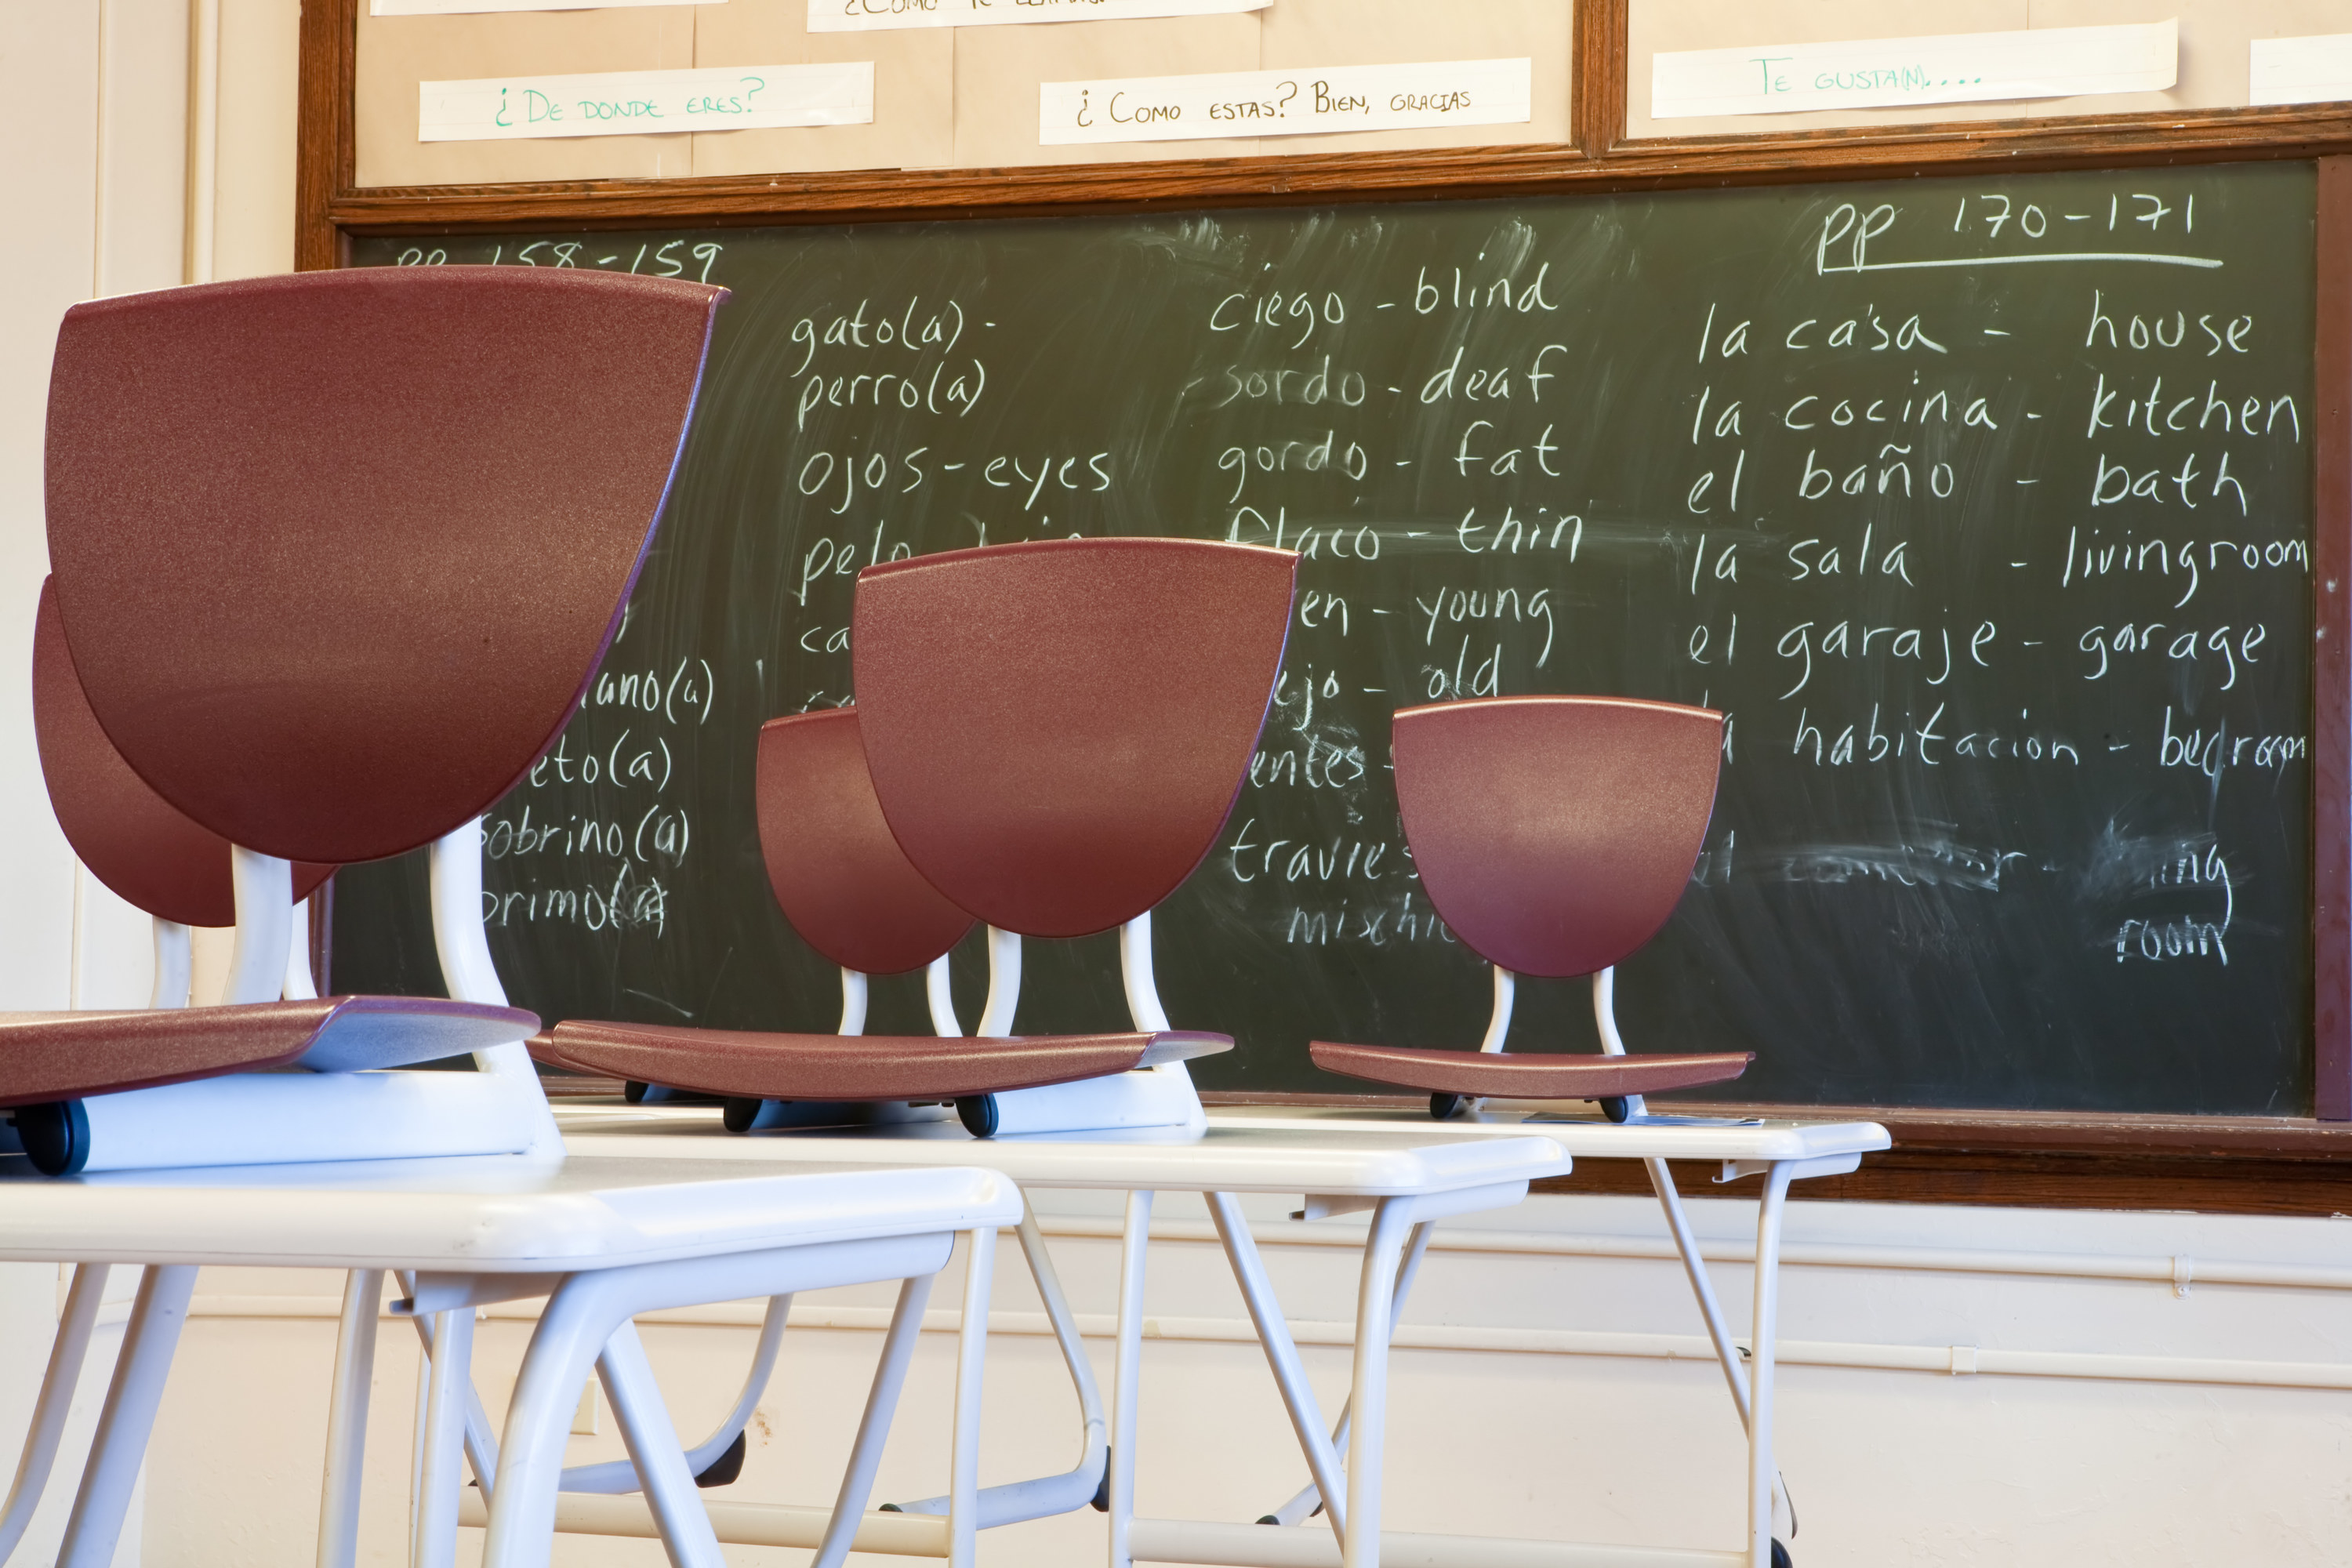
[1983, 508]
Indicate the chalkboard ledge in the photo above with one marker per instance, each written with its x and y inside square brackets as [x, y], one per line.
[2019, 1159]
[2014, 1159]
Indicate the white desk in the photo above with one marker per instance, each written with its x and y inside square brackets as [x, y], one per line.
[1340, 1154]
[1409, 1176]
[603, 1238]
[1779, 1150]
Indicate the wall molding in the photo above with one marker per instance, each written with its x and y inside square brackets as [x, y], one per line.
[2179, 1273]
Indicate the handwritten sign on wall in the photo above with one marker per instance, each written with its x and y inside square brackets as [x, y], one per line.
[861, 16]
[2300, 71]
[1285, 102]
[646, 103]
[471, 7]
[1872, 73]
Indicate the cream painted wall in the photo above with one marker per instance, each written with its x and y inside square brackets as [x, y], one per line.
[93, 98]
[2136, 1439]
[1544, 1388]
[48, 108]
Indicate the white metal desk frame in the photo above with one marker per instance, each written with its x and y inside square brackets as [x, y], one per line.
[1408, 1175]
[581, 1299]
[1166, 1158]
[1783, 1153]
[601, 1240]
[1780, 1151]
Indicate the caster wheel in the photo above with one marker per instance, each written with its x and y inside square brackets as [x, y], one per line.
[739, 1112]
[1444, 1107]
[634, 1092]
[56, 1136]
[977, 1114]
[1614, 1108]
[1780, 1558]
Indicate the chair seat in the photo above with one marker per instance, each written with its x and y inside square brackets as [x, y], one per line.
[856, 1067]
[1523, 1075]
[47, 1056]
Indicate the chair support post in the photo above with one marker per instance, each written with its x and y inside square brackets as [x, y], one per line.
[470, 974]
[1004, 984]
[941, 997]
[265, 924]
[299, 984]
[1135, 973]
[175, 966]
[852, 1002]
[1604, 1015]
[1498, 1021]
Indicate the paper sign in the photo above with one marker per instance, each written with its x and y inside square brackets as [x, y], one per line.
[1872, 73]
[646, 103]
[470, 7]
[2300, 71]
[1285, 104]
[860, 15]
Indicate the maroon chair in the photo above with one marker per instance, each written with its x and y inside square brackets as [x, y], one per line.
[335, 555]
[1057, 732]
[128, 837]
[1019, 754]
[848, 891]
[1554, 835]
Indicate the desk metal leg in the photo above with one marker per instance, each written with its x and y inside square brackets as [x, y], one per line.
[1726, 1354]
[972, 1363]
[67, 1354]
[874, 1429]
[129, 1416]
[1302, 1506]
[1015, 1502]
[1282, 1357]
[653, 1445]
[1761, 1468]
[615, 1476]
[434, 1542]
[1375, 1294]
[585, 1323]
[347, 1418]
[1135, 1243]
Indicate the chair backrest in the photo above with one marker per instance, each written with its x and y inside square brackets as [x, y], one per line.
[840, 879]
[1556, 834]
[336, 553]
[130, 838]
[1057, 730]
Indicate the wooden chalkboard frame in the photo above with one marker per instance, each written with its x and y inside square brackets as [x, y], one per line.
[2223, 1164]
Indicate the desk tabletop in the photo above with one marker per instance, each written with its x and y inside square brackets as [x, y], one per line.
[1595, 1138]
[494, 1214]
[1338, 1159]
